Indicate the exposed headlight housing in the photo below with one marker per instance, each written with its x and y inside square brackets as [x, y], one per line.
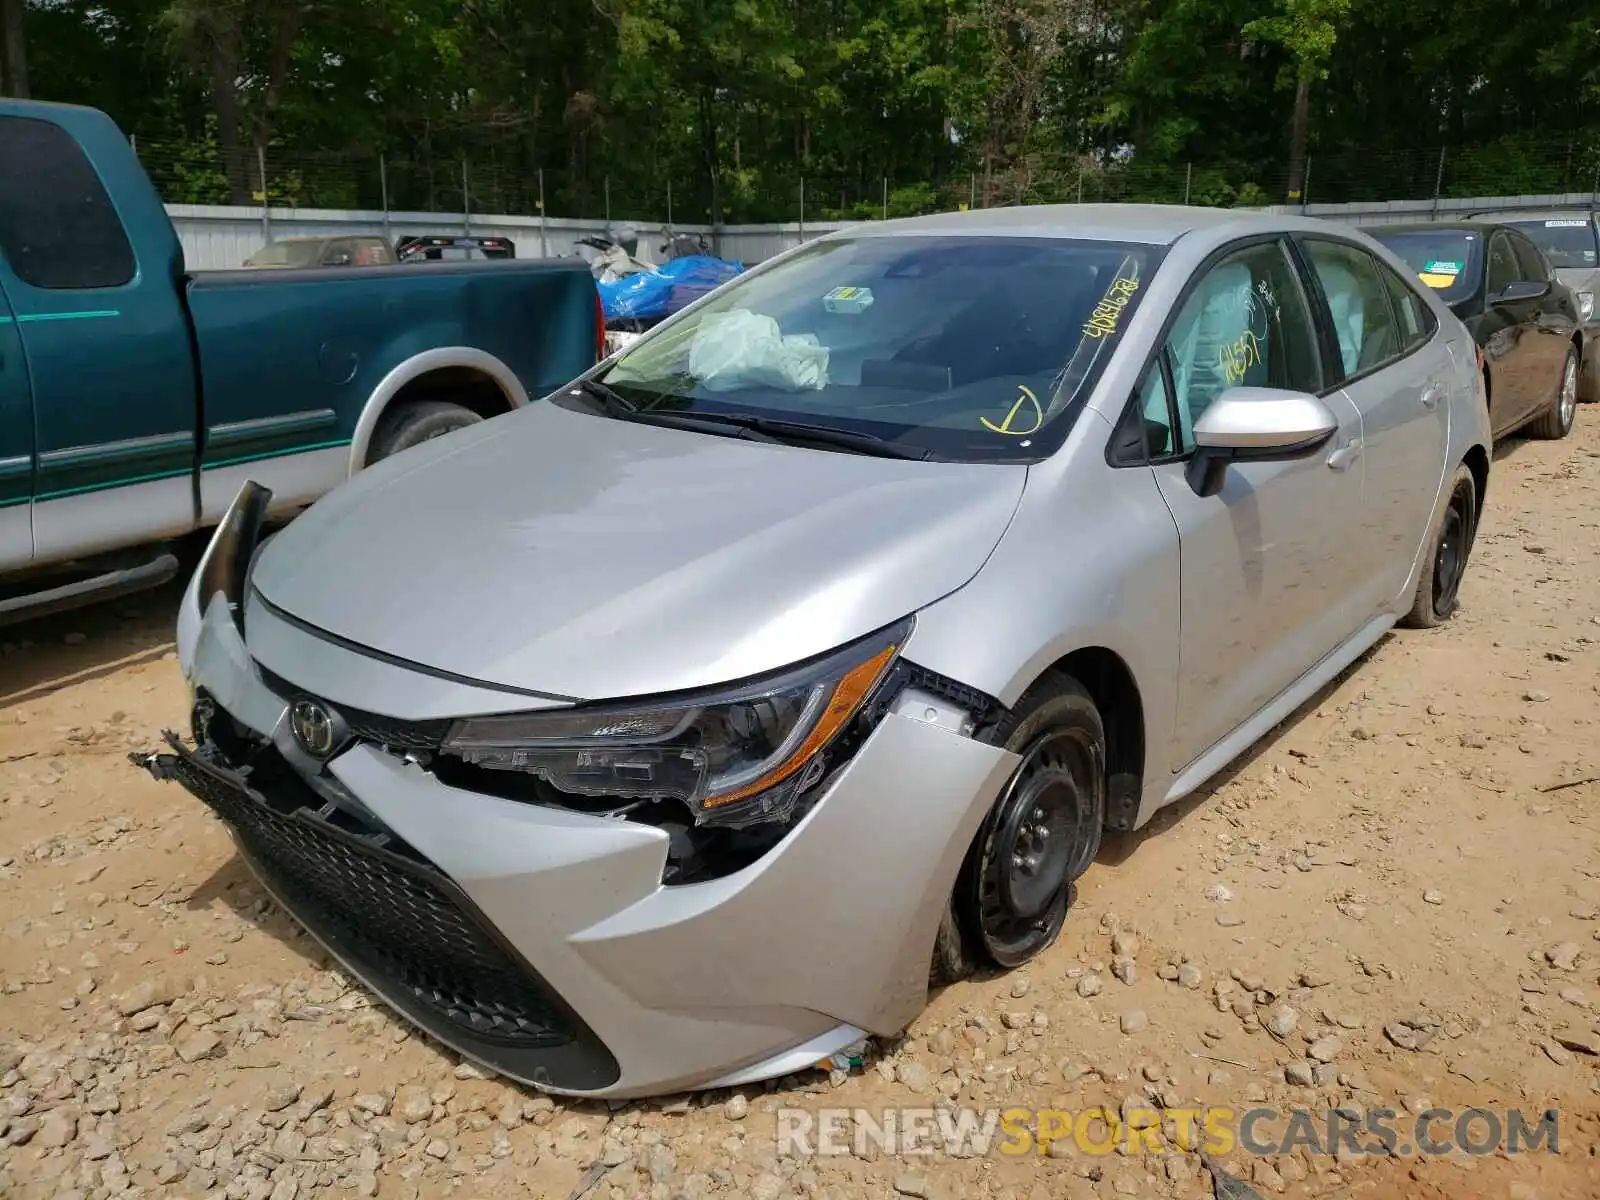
[740, 755]
[1586, 304]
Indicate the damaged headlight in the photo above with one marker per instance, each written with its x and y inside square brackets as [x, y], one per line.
[742, 754]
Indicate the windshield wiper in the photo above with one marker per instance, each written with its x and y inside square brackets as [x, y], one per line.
[613, 401]
[822, 435]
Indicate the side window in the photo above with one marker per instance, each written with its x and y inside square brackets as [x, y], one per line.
[1416, 319]
[58, 228]
[339, 254]
[1503, 268]
[1358, 304]
[1245, 324]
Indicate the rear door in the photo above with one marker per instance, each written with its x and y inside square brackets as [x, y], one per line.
[1392, 364]
[113, 384]
[16, 446]
[1555, 318]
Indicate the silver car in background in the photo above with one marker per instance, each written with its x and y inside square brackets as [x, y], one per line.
[685, 726]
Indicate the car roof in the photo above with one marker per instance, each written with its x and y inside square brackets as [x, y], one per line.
[1153, 224]
[1539, 214]
[1479, 227]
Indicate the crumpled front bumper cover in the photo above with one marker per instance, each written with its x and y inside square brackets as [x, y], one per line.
[656, 989]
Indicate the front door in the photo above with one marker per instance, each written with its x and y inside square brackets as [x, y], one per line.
[16, 446]
[112, 377]
[1510, 342]
[1397, 372]
[1265, 588]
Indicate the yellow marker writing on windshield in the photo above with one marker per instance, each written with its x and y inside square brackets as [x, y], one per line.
[1006, 426]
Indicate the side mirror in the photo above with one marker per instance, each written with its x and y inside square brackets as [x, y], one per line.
[1251, 424]
[1523, 292]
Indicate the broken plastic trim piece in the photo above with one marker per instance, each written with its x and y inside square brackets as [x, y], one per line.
[228, 558]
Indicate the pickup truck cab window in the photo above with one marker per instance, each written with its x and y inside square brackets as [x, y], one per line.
[58, 228]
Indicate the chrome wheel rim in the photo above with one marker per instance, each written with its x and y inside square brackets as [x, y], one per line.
[1569, 391]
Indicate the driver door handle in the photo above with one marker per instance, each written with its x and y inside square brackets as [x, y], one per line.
[1431, 395]
[1345, 456]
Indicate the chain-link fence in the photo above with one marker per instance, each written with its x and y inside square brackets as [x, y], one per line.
[196, 173]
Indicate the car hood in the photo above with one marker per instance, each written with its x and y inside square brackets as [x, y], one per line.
[585, 557]
[1579, 279]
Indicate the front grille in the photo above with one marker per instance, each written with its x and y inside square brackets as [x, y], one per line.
[370, 727]
[374, 898]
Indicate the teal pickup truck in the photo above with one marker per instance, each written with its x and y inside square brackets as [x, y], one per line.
[136, 397]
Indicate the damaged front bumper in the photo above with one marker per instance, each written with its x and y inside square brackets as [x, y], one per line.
[542, 942]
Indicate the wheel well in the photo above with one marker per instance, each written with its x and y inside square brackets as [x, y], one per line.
[465, 386]
[1477, 461]
[1116, 695]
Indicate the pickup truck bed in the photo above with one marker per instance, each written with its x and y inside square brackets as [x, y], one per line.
[135, 398]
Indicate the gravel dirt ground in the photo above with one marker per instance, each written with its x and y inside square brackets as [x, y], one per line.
[1393, 903]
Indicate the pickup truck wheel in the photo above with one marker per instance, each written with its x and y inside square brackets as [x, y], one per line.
[408, 425]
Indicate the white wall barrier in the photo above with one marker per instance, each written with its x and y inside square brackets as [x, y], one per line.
[217, 237]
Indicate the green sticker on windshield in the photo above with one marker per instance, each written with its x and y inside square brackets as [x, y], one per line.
[1443, 268]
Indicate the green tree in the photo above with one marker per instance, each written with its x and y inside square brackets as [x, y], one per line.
[1308, 30]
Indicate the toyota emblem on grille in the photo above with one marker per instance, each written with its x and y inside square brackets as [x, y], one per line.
[312, 726]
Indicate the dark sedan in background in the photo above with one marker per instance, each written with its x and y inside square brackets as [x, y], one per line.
[1527, 323]
[1570, 239]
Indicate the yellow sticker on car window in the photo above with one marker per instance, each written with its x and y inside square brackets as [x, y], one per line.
[1437, 279]
[1107, 314]
[1011, 422]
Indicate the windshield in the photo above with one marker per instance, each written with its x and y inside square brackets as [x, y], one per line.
[288, 254]
[1444, 259]
[972, 348]
[1566, 241]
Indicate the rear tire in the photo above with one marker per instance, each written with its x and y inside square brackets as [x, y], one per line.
[1015, 885]
[407, 425]
[1555, 422]
[1449, 545]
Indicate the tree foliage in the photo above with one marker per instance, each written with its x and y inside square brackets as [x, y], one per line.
[721, 108]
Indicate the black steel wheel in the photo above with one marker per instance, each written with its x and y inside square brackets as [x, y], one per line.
[1439, 587]
[1040, 835]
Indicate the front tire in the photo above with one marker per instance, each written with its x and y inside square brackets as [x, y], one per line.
[1449, 545]
[1015, 886]
[1555, 422]
[407, 425]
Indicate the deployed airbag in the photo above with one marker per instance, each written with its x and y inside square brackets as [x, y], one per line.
[742, 349]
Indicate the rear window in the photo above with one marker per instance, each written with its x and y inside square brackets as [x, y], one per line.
[288, 254]
[1567, 242]
[58, 228]
[976, 348]
[1447, 260]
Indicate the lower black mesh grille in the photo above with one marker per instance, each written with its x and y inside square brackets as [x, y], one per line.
[401, 920]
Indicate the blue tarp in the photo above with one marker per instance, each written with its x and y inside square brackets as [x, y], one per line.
[666, 289]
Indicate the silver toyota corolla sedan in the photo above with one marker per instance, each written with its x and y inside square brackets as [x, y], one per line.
[682, 727]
